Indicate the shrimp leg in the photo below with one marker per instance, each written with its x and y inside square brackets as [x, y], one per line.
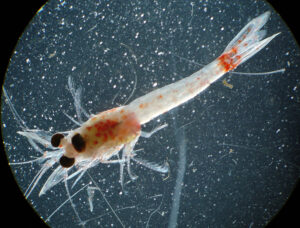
[149, 134]
[126, 155]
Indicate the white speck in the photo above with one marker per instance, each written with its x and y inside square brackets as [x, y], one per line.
[62, 22]
[106, 50]
[160, 53]
[28, 61]
[277, 131]
[73, 68]
[154, 84]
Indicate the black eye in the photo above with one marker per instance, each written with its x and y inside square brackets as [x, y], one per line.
[56, 138]
[78, 142]
[66, 162]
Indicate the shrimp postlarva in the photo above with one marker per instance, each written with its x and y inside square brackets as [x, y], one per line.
[110, 136]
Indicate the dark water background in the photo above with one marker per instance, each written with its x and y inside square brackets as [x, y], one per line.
[240, 145]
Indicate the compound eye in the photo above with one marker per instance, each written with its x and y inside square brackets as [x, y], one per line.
[78, 142]
[66, 162]
[56, 139]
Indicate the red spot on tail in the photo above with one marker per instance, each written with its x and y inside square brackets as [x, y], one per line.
[230, 60]
[234, 50]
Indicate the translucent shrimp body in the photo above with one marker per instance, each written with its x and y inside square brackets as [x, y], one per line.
[103, 136]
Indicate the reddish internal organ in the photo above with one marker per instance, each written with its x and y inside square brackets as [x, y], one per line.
[111, 132]
[104, 130]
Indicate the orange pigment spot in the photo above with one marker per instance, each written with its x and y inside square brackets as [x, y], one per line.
[234, 50]
[143, 105]
[160, 96]
[89, 128]
[95, 142]
[227, 62]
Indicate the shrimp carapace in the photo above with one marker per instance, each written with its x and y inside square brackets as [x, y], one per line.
[99, 136]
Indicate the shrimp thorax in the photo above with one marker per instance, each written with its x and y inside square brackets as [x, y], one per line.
[107, 130]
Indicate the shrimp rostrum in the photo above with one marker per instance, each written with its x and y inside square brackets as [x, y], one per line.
[110, 136]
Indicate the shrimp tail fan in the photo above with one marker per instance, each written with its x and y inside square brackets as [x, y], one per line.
[246, 43]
